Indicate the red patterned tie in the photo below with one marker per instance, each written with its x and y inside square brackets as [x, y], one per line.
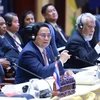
[45, 57]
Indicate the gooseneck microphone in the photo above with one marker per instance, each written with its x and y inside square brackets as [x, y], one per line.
[45, 92]
[27, 71]
[90, 63]
[77, 58]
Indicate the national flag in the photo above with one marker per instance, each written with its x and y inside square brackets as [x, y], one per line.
[72, 5]
[56, 76]
[75, 4]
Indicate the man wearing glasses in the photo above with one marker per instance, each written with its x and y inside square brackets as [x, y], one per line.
[78, 44]
[37, 56]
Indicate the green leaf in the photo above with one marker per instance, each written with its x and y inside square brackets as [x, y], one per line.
[73, 20]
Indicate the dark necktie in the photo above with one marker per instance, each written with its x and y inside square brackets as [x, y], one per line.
[45, 58]
[89, 44]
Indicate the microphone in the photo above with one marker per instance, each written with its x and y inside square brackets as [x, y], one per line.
[90, 63]
[43, 93]
[27, 71]
[77, 58]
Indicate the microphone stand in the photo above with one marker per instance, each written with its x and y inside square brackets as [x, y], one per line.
[33, 74]
[92, 64]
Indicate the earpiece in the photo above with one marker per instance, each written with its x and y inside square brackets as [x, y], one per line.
[35, 29]
[9, 23]
[33, 37]
[80, 25]
[9, 17]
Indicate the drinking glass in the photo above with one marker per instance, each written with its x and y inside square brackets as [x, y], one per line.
[36, 94]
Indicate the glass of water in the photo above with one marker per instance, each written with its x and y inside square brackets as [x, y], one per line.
[98, 71]
[36, 94]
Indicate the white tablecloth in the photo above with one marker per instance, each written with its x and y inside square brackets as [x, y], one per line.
[82, 89]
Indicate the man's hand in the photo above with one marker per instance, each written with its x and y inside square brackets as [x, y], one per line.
[68, 73]
[4, 63]
[64, 56]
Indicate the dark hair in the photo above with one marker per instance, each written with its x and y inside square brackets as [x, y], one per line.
[36, 27]
[9, 17]
[44, 8]
[24, 14]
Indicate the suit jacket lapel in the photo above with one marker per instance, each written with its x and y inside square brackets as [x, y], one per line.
[22, 43]
[10, 41]
[38, 52]
[50, 55]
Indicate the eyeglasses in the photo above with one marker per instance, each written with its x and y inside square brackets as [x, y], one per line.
[43, 35]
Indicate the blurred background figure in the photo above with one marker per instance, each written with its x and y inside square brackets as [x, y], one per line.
[27, 18]
[5, 65]
[51, 16]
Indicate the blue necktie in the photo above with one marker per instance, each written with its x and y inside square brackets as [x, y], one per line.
[89, 44]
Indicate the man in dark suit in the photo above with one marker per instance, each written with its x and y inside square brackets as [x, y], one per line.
[33, 60]
[83, 55]
[26, 23]
[51, 16]
[4, 48]
[10, 46]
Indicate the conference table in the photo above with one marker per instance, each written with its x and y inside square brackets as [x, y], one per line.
[87, 86]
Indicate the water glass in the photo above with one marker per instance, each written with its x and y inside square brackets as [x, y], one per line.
[36, 94]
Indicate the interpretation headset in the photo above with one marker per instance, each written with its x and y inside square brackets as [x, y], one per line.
[36, 28]
[34, 31]
[9, 23]
[8, 18]
[80, 25]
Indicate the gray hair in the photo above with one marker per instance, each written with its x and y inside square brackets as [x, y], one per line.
[83, 17]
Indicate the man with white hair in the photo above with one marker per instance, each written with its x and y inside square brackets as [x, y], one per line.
[83, 54]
